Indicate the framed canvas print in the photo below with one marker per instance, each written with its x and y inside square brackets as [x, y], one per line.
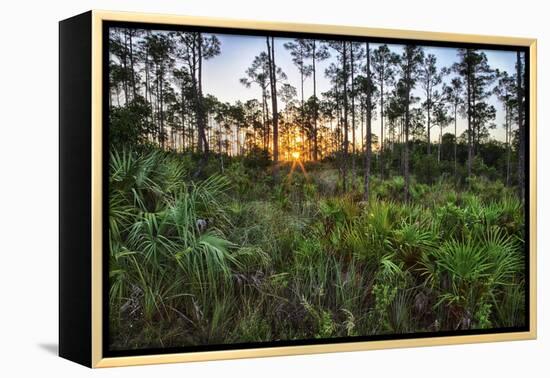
[235, 189]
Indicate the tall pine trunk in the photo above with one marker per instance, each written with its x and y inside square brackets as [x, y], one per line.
[161, 106]
[352, 68]
[272, 76]
[368, 142]
[440, 141]
[521, 129]
[382, 124]
[406, 141]
[302, 110]
[429, 119]
[125, 66]
[456, 141]
[346, 139]
[148, 97]
[182, 116]
[508, 149]
[470, 126]
[429, 141]
[133, 77]
[315, 110]
[202, 121]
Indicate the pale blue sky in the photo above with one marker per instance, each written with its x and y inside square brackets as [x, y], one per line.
[221, 74]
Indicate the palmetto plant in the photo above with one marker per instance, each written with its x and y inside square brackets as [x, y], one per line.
[468, 274]
[411, 242]
[166, 235]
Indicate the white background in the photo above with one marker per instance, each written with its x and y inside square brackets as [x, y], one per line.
[29, 189]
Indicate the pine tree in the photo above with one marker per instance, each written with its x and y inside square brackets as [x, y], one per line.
[383, 72]
[453, 93]
[430, 78]
[410, 63]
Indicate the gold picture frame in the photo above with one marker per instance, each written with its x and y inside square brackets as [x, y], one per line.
[96, 358]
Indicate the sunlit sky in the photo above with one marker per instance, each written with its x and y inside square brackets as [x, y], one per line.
[222, 73]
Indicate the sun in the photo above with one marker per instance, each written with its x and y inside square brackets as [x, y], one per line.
[295, 155]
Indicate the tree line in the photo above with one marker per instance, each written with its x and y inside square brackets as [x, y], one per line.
[156, 97]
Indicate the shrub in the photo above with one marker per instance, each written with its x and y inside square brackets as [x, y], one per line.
[426, 168]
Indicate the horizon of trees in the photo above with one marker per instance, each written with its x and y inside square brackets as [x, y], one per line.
[156, 97]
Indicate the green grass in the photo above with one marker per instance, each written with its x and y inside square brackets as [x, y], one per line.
[240, 256]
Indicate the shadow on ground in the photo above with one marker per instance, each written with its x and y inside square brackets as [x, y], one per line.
[51, 348]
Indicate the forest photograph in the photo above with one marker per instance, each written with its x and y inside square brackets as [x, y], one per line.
[274, 188]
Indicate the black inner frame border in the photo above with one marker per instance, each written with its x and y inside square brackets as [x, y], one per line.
[107, 352]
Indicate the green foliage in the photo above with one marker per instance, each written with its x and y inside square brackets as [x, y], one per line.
[390, 189]
[128, 124]
[411, 242]
[426, 168]
[469, 274]
[323, 323]
[257, 158]
[481, 169]
[240, 256]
